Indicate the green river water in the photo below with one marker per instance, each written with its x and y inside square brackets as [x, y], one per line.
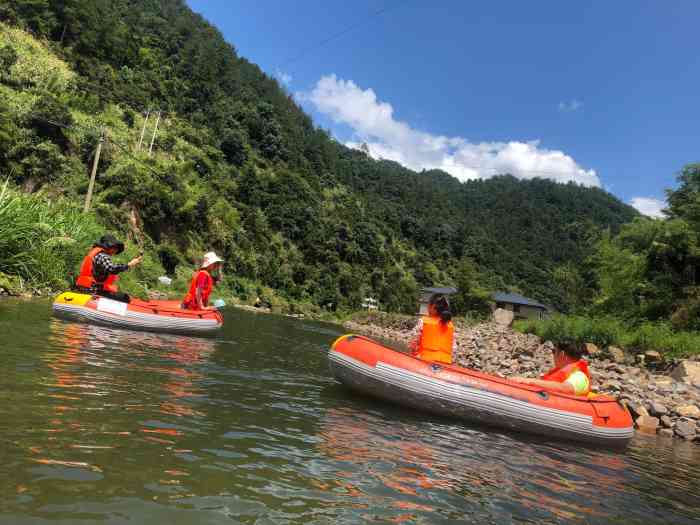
[108, 426]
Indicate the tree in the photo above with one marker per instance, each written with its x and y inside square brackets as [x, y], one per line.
[8, 58]
[470, 298]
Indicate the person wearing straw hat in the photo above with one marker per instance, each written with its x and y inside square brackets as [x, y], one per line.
[203, 282]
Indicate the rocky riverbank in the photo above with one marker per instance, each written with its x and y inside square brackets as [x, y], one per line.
[664, 398]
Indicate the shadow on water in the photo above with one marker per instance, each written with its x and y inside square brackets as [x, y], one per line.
[110, 426]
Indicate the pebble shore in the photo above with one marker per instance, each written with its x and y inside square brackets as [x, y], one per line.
[663, 398]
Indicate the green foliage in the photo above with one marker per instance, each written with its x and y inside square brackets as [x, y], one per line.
[574, 331]
[573, 289]
[470, 298]
[604, 332]
[239, 168]
[42, 241]
[8, 58]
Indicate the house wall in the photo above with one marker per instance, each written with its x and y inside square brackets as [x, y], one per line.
[525, 312]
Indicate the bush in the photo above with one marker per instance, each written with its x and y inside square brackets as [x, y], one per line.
[43, 242]
[604, 332]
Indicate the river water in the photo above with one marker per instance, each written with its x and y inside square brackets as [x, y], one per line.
[108, 426]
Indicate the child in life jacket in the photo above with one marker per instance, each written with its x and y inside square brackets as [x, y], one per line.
[435, 333]
[203, 283]
[570, 374]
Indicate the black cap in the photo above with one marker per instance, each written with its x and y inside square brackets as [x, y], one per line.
[110, 241]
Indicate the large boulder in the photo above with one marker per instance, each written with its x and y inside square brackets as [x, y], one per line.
[647, 424]
[687, 371]
[503, 317]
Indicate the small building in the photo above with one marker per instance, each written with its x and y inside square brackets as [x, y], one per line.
[427, 293]
[522, 307]
[370, 303]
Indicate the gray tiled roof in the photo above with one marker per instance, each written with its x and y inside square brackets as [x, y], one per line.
[445, 291]
[514, 298]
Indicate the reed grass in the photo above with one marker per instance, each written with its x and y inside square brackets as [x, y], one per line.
[42, 241]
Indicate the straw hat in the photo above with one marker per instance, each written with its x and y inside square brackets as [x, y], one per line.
[209, 259]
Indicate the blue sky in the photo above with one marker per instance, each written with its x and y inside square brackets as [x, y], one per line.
[604, 93]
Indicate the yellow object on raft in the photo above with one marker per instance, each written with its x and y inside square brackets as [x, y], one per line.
[80, 299]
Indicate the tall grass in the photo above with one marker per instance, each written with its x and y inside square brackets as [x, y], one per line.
[603, 332]
[42, 241]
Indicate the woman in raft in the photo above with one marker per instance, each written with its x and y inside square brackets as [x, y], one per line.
[435, 334]
[203, 282]
[570, 374]
[99, 274]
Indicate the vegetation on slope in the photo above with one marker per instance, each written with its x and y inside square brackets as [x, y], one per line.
[239, 168]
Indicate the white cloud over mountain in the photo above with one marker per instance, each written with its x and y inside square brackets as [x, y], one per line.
[373, 123]
[649, 207]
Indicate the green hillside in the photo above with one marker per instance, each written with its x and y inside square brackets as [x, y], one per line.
[238, 167]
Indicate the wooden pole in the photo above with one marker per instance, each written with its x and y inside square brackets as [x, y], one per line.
[153, 139]
[95, 163]
[143, 130]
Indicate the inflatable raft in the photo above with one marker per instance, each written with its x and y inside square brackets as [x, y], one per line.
[368, 367]
[153, 316]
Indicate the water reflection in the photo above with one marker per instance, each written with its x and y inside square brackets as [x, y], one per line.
[430, 468]
[109, 425]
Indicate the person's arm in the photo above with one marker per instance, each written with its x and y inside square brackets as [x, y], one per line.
[198, 297]
[105, 266]
[416, 334]
[201, 283]
[553, 386]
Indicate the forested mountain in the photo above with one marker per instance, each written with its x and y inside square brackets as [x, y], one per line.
[238, 167]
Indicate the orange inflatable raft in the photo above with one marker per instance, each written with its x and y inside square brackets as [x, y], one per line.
[368, 367]
[153, 316]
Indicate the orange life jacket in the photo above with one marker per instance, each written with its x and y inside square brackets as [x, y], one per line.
[563, 373]
[86, 278]
[436, 341]
[190, 301]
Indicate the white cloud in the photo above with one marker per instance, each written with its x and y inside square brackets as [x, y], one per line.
[373, 123]
[649, 206]
[570, 106]
[283, 77]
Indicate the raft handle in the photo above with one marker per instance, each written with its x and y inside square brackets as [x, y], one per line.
[435, 367]
[544, 395]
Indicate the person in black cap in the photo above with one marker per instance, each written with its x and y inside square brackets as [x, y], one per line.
[99, 274]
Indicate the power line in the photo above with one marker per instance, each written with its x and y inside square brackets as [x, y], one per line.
[335, 36]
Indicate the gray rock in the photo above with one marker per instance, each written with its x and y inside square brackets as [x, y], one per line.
[685, 429]
[638, 410]
[666, 432]
[666, 421]
[688, 411]
[657, 409]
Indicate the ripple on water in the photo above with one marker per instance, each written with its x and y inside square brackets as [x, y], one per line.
[115, 426]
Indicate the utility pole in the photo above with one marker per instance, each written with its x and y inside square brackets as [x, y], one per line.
[153, 139]
[143, 130]
[91, 186]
